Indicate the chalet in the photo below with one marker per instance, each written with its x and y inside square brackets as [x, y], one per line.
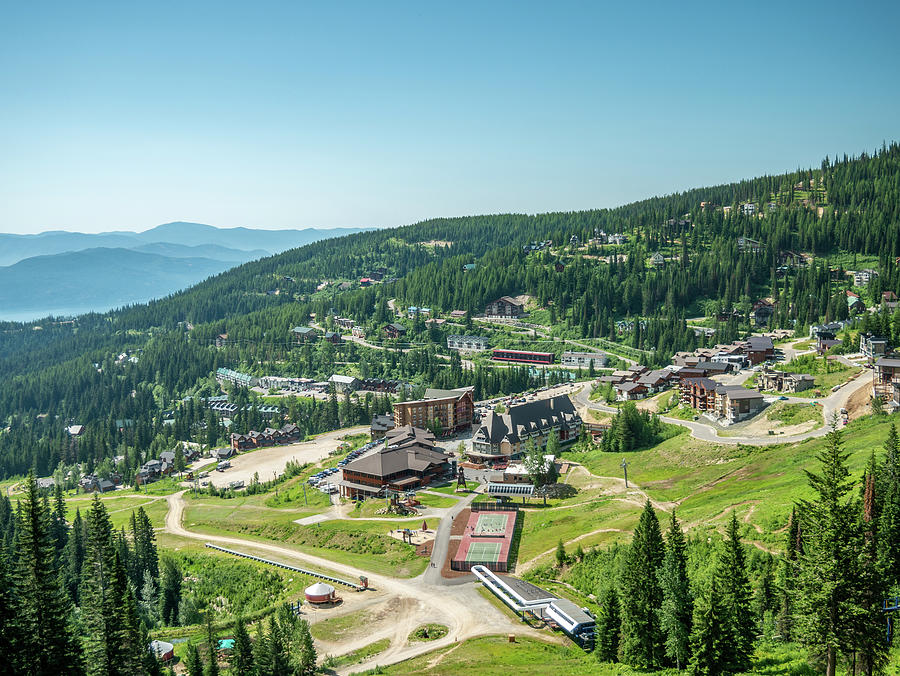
[828, 331]
[888, 296]
[469, 343]
[762, 312]
[854, 303]
[394, 330]
[241, 442]
[222, 340]
[46, 483]
[381, 425]
[748, 208]
[736, 403]
[366, 281]
[863, 277]
[344, 323]
[409, 460]
[451, 410]
[457, 314]
[872, 347]
[305, 334]
[657, 260]
[344, 383]
[75, 430]
[698, 393]
[759, 349]
[629, 391]
[224, 453]
[506, 307]
[886, 380]
[333, 337]
[637, 370]
[824, 344]
[584, 359]
[654, 381]
[290, 433]
[779, 381]
[358, 332]
[468, 267]
[618, 239]
[791, 259]
[504, 435]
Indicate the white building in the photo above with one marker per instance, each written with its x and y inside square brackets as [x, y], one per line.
[471, 343]
[584, 359]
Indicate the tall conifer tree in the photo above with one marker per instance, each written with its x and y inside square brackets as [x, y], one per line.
[641, 598]
[737, 598]
[677, 608]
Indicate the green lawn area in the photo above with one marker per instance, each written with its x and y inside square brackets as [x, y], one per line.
[495, 655]
[120, 506]
[708, 480]
[341, 628]
[360, 655]
[450, 489]
[543, 528]
[794, 414]
[435, 500]
[364, 544]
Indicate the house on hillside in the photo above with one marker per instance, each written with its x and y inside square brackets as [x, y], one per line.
[584, 359]
[333, 337]
[762, 312]
[344, 383]
[629, 391]
[505, 307]
[657, 260]
[886, 380]
[468, 343]
[305, 334]
[872, 347]
[394, 330]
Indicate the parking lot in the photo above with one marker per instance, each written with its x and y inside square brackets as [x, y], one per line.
[270, 462]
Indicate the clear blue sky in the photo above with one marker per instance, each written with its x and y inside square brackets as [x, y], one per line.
[123, 115]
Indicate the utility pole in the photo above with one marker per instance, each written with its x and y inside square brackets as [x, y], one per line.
[625, 467]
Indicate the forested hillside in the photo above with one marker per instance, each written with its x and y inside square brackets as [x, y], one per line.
[58, 373]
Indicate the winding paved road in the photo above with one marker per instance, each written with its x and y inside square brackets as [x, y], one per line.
[831, 405]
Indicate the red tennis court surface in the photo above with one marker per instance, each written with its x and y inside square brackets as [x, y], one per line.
[485, 539]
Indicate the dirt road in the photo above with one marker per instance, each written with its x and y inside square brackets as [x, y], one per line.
[270, 462]
[459, 607]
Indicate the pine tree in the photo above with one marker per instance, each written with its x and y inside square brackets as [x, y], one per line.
[102, 596]
[825, 586]
[306, 655]
[608, 626]
[641, 597]
[212, 669]
[170, 592]
[193, 662]
[785, 621]
[278, 649]
[262, 656]
[74, 557]
[242, 653]
[677, 608]
[44, 641]
[709, 636]
[7, 611]
[888, 542]
[737, 598]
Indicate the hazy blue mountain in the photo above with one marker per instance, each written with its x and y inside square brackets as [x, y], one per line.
[96, 279]
[14, 248]
[213, 251]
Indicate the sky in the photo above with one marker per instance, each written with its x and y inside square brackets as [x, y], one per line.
[125, 115]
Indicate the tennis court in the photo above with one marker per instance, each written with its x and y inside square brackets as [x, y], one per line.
[491, 524]
[484, 551]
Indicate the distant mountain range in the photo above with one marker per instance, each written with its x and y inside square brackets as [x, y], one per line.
[72, 272]
[14, 248]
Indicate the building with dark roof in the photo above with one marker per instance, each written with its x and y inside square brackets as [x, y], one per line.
[408, 460]
[381, 425]
[505, 435]
[505, 307]
[886, 380]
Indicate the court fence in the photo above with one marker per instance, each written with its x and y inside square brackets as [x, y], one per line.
[495, 566]
[494, 507]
